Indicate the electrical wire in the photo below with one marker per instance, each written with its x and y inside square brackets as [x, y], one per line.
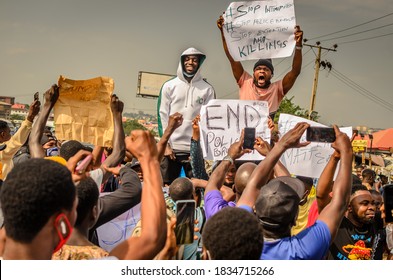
[362, 91]
[357, 33]
[364, 39]
[349, 28]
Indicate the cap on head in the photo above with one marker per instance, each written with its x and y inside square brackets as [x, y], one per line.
[278, 202]
[266, 62]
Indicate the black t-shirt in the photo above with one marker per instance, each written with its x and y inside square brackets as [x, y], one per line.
[353, 243]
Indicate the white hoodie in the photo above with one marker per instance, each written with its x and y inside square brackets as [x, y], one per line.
[187, 98]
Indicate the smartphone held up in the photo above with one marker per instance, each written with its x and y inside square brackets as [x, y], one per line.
[249, 138]
[83, 164]
[320, 134]
[185, 216]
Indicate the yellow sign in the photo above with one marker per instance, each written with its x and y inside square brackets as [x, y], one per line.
[83, 111]
[357, 149]
[359, 143]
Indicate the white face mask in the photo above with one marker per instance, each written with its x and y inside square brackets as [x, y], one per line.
[54, 151]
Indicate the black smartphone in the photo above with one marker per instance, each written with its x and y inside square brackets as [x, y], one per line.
[36, 96]
[388, 202]
[249, 138]
[185, 215]
[321, 134]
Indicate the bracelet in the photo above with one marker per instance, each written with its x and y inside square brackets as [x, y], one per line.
[299, 47]
[228, 158]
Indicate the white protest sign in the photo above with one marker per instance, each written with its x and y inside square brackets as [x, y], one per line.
[222, 121]
[260, 29]
[119, 229]
[310, 160]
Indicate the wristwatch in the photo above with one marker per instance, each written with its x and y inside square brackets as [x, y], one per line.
[228, 158]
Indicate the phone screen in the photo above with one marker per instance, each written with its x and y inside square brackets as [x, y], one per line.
[249, 138]
[320, 134]
[388, 202]
[185, 213]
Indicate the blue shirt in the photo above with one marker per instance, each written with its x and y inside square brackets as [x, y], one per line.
[310, 244]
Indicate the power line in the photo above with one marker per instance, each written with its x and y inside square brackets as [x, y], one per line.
[360, 32]
[347, 81]
[351, 27]
[365, 90]
[365, 39]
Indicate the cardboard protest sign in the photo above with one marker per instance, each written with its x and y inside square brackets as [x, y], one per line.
[83, 111]
[310, 160]
[222, 121]
[260, 29]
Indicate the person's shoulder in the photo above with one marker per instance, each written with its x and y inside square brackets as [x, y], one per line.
[171, 81]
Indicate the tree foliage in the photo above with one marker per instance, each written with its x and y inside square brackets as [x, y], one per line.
[131, 125]
[287, 106]
[17, 117]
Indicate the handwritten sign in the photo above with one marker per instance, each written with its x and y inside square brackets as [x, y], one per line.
[260, 29]
[83, 111]
[310, 160]
[119, 229]
[222, 122]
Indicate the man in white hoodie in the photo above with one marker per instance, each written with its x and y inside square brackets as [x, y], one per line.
[184, 94]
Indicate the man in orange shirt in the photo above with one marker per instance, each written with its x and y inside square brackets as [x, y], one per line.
[259, 85]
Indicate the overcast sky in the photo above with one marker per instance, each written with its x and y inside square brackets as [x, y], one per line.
[83, 39]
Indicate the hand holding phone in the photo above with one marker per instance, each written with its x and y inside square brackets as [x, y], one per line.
[185, 215]
[320, 134]
[82, 165]
[249, 138]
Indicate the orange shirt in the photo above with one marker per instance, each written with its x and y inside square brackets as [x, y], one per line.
[248, 91]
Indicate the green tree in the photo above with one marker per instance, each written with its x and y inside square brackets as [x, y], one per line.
[131, 125]
[16, 117]
[288, 107]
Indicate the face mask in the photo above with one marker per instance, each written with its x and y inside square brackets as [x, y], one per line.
[52, 152]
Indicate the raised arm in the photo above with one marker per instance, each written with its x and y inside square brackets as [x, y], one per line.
[333, 213]
[260, 175]
[119, 150]
[35, 147]
[237, 67]
[175, 121]
[153, 211]
[325, 182]
[290, 78]
[235, 151]
[197, 161]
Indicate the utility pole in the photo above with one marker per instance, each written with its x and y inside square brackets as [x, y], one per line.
[318, 64]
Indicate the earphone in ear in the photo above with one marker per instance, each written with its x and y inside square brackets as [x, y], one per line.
[63, 229]
[63, 226]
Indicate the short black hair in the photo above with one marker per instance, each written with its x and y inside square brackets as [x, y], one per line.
[368, 173]
[88, 194]
[356, 180]
[181, 188]
[3, 125]
[34, 191]
[233, 234]
[358, 187]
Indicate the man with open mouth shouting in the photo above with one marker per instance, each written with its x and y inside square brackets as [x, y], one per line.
[259, 85]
